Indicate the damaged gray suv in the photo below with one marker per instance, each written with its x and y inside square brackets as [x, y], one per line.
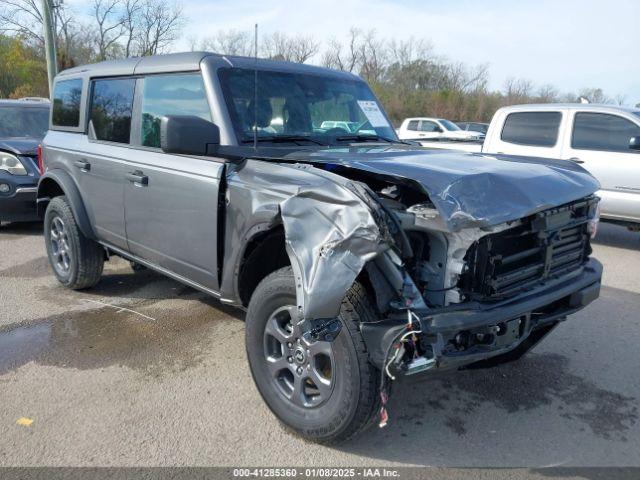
[282, 189]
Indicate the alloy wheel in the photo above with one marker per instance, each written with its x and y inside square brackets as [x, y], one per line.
[302, 370]
[60, 248]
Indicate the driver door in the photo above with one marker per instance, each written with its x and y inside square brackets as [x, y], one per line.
[429, 129]
[171, 201]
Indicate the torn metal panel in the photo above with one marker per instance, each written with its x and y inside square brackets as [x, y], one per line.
[469, 190]
[330, 224]
[331, 234]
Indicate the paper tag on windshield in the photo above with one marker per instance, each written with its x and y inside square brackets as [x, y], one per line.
[373, 113]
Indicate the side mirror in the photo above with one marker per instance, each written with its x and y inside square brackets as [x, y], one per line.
[189, 135]
[439, 129]
[634, 143]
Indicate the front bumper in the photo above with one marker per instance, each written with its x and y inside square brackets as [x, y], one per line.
[506, 329]
[19, 204]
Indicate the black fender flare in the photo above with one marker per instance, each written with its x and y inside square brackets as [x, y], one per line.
[68, 186]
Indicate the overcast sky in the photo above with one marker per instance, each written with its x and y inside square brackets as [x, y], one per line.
[568, 43]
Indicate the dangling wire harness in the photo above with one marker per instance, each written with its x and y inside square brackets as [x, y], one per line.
[397, 343]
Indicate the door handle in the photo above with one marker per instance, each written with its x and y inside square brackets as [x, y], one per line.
[138, 177]
[82, 165]
[576, 160]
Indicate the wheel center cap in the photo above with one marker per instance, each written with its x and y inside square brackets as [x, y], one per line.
[299, 356]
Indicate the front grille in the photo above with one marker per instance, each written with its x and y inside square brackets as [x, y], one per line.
[550, 244]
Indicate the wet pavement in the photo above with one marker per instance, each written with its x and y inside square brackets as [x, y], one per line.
[141, 370]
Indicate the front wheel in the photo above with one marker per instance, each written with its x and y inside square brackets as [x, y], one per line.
[325, 392]
[77, 261]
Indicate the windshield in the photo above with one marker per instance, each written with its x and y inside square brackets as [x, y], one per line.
[452, 127]
[294, 106]
[18, 121]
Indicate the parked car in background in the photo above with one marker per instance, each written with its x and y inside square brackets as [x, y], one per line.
[23, 124]
[433, 128]
[604, 139]
[474, 127]
[358, 257]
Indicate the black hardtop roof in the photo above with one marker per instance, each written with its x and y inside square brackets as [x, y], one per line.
[191, 61]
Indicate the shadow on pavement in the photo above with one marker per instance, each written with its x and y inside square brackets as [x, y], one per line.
[617, 236]
[20, 229]
[478, 417]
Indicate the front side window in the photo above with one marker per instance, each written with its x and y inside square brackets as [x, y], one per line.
[426, 126]
[478, 127]
[601, 131]
[450, 126]
[30, 122]
[537, 129]
[66, 103]
[111, 108]
[291, 106]
[170, 95]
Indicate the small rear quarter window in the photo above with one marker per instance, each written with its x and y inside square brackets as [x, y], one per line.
[66, 103]
[537, 129]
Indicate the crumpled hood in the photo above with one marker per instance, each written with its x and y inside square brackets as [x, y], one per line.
[20, 146]
[470, 189]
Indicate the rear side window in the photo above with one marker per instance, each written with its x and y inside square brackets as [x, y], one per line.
[66, 103]
[171, 95]
[413, 125]
[111, 107]
[538, 129]
[600, 131]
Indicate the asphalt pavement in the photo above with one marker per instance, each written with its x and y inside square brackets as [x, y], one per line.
[144, 371]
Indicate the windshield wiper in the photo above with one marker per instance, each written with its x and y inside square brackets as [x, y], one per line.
[285, 139]
[367, 138]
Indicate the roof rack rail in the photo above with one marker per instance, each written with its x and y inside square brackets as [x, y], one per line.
[35, 99]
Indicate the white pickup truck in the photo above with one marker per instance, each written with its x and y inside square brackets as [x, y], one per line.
[604, 139]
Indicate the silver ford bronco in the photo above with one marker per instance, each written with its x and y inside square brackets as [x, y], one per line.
[283, 189]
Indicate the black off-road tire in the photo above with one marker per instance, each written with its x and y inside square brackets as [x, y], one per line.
[86, 257]
[354, 401]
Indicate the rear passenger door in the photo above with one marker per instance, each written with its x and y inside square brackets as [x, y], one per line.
[600, 142]
[171, 201]
[101, 168]
[533, 134]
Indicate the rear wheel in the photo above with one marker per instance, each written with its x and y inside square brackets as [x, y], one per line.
[325, 392]
[77, 261]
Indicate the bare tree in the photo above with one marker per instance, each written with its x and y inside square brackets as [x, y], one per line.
[231, 42]
[404, 52]
[373, 57]
[348, 61]
[23, 18]
[159, 24]
[279, 46]
[547, 94]
[109, 26]
[303, 48]
[131, 10]
[518, 90]
[595, 95]
[620, 99]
